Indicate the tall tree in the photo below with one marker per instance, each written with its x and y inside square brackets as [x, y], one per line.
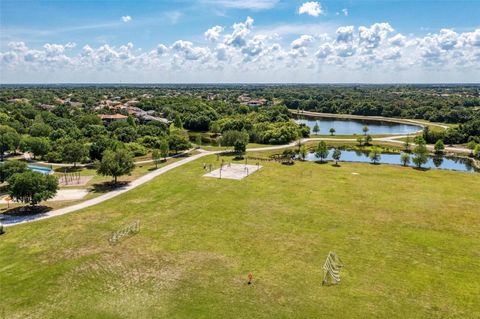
[336, 155]
[316, 128]
[360, 140]
[39, 146]
[322, 151]
[178, 122]
[156, 157]
[405, 159]
[365, 130]
[406, 145]
[115, 164]
[164, 149]
[439, 147]
[9, 140]
[32, 187]
[239, 147]
[302, 152]
[368, 139]
[420, 152]
[8, 168]
[74, 152]
[476, 151]
[375, 154]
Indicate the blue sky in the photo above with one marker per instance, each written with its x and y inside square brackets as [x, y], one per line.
[45, 40]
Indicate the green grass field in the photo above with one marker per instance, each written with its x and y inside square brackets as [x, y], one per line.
[409, 240]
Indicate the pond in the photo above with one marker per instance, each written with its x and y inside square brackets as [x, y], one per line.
[354, 126]
[440, 162]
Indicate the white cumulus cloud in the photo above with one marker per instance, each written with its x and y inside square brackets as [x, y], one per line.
[213, 34]
[126, 19]
[312, 8]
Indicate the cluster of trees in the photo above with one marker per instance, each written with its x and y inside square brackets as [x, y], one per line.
[449, 104]
[419, 153]
[76, 134]
[468, 132]
[270, 125]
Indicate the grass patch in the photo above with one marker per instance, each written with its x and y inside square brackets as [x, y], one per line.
[409, 241]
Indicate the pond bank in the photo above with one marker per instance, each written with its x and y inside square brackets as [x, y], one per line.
[367, 118]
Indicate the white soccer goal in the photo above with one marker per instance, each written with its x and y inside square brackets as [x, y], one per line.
[331, 269]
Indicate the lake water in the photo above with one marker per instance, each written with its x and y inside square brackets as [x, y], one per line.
[353, 126]
[440, 162]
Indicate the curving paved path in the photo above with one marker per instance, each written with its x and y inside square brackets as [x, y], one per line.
[15, 220]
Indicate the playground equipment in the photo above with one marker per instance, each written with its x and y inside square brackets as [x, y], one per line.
[72, 178]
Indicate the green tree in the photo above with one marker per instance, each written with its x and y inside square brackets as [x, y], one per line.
[74, 152]
[471, 145]
[406, 145]
[164, 149]
[178, 140]
[336, 155]
[198, 140]
[322, 151]
[230, 137]
[405, 159]
[332, 131]
[476, 151]
[39, 146]
[131, 121]
[178, 122]
[365, 130]
[215, 128]
[240, 147]
[420, 152]
[302, 151]
[156, 157]
[439, 147]
[40, 130]
[368, 139]
[116, 163]
[9, 140]
[32, 187]
[360, 140]
[9, 168]
[375, 154]
[99, 146]
[316, 128]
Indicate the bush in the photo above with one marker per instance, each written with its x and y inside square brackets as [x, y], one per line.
[136, 149]
[8, 168]
[229, 138]
[53, 157]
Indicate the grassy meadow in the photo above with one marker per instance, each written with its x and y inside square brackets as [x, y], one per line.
[409, 241]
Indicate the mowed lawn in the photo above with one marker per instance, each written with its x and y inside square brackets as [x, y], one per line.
[409, 240]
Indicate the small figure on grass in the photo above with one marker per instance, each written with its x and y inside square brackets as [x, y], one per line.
[250, 278]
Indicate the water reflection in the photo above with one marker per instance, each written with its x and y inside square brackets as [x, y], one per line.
[353, 126]
[441, 162]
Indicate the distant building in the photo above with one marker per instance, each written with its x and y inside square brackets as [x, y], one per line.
[149, 118]
[46, 107]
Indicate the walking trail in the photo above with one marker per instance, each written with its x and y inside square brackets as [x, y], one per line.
[16, 220]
